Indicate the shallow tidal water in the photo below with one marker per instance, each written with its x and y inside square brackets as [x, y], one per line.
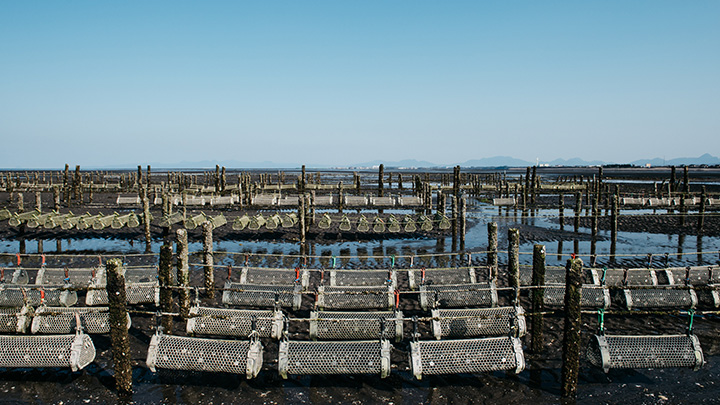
[539, 383]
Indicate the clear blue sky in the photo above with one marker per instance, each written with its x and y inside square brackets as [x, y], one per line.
[100, 83]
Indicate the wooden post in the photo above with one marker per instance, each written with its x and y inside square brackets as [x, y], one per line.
[538, 301]
[301, 217]
[571, 336]
[38, 201]
[118, 315]
[613, 226]
[166, 281]
[56, 198]
[208, 260]
[381, 173]
[66, 184]
[578, 211]
[146, 217]
[533, 185]
[302, 180]
[594, 225]
[701, 211]
[147, 176]
[340, 197]
[672, 180]
[454, 220]
[183, 272]
[514, 262]
[77, 184]
[217, 178]
[492, 228]
[139, 179]
[223, 179]
[463, 222]
[561, 210]
[686, 180]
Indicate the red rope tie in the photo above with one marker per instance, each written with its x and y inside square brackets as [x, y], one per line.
[18, 259]
[43, 260]
[397, 299]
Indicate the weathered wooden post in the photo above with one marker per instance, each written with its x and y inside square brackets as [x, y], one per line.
[613, 226]
[118, 316]
[147, 176]
[701, 212]
[672, 180]
[66, 184]
[571, 336]
[381, 173]
[538, 280]
[223, 179]
[594, 224]
[38, 201]
[463, 222]
[301, 217]
[76, 187]
[21, 227]
[183, 272]
[578, 211]
[166, 282]
[514, 262]
[302, 180]
[561, 210]
[208, 260]
[492, 228]
[56, 198]
[146, 217]
[217, 178]
[454, 220]
[533, 185]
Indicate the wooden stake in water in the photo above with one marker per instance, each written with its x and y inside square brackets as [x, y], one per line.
[538, 280]
[492, 228]
[463, 222]
[183, 272]
[571, 336]
[208, 260]
[613, 227]
[166, 281]
[117, 303]
[514, 262]
[301, 217]
[146, 218]
[701, 212]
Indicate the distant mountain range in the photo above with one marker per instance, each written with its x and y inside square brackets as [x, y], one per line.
[496, 161]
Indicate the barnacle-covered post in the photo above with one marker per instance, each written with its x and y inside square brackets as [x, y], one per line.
[463, 222]
[165, 280]
[571, 336]
[118, 316]
[183, 272]
[146, 216]
[208, 260]
[538, 280]
[493, 249]
[514, 261]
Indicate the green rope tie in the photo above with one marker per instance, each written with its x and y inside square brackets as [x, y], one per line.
[691, 312]
[601, 321]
